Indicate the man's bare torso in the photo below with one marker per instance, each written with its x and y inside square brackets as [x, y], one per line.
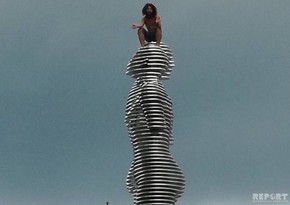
[152, 23]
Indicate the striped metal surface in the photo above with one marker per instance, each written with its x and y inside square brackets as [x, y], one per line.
[154, 177]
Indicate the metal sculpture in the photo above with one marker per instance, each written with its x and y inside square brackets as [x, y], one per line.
[154, 177]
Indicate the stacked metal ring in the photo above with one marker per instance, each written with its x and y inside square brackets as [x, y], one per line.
[154, 177]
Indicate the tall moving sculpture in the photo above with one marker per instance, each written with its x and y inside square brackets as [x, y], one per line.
[154, 177]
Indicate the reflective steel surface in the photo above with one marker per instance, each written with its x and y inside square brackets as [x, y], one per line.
[154, 177]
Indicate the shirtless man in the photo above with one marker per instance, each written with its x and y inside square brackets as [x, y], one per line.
[152, 22]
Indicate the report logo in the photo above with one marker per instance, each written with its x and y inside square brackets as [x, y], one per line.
[270, 197]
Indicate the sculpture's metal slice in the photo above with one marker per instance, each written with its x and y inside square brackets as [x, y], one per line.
[154, 177]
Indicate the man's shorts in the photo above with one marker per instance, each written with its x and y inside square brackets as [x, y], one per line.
[149, 36]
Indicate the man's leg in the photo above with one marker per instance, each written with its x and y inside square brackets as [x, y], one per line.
[158, 36]
[141, 36]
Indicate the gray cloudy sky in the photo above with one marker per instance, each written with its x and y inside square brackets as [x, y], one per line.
[63, 91]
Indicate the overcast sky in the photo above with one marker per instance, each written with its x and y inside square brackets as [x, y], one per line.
[63, 91]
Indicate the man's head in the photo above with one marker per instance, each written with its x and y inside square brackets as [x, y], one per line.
[149, 10]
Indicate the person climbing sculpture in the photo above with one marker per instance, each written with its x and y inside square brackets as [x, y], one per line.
[152, 20]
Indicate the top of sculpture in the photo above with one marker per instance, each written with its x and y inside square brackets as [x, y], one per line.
[151, 62]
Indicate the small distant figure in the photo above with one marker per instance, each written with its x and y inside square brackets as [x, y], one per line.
[151, 19]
